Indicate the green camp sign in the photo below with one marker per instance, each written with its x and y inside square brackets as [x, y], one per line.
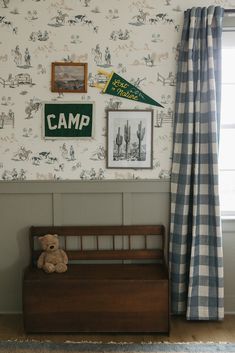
[68, 120]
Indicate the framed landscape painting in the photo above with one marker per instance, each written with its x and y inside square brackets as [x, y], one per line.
[130, 139]
[69, 77]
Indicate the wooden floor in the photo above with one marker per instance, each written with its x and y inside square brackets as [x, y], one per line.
[11, 327]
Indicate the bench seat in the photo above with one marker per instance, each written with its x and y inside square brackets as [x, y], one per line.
[117, 297]
[102, 272]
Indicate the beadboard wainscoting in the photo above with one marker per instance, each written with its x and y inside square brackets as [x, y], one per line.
[27, 203]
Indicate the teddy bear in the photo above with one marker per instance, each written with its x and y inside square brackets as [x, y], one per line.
[52, 259]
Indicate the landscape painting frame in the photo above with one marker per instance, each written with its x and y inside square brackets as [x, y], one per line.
[69, 77]
[130, 139]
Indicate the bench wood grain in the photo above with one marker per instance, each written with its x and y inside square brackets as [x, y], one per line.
[99, 297]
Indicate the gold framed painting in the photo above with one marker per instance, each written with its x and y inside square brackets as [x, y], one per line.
[69, 77]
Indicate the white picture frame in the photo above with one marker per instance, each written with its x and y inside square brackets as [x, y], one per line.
[130, 139]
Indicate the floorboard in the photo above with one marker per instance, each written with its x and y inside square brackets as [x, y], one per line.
[11, 327]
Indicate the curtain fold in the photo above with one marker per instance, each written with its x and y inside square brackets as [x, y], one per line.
[195, 256]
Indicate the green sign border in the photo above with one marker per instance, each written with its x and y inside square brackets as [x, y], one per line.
[44, 136]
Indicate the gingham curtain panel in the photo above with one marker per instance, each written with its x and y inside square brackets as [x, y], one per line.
[196, 257]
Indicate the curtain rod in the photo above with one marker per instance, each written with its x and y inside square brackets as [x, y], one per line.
[229, 10]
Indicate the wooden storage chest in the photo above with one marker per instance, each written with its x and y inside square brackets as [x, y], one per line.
[118, 297]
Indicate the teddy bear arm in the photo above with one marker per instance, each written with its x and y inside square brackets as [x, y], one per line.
[41, 260]
[64, 256]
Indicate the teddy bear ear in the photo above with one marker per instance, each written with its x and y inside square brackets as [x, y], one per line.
[56, 235]
[40, 238]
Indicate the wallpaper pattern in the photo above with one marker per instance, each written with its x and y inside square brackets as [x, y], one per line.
[138, 39]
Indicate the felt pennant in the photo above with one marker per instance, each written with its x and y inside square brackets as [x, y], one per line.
[119, 87]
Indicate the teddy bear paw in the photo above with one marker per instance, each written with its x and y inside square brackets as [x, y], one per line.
[61, 267]
[49, 268]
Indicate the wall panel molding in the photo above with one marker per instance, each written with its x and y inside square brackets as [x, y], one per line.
[103, 186]
[57, 209]
[26, 203]
[126, 208]
[68, 203]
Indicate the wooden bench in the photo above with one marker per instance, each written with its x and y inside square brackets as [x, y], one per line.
[99, 297]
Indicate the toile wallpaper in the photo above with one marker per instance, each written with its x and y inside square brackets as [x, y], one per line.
[138, 39]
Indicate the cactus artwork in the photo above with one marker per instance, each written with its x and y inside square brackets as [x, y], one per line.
[130, 138]
[140, 135]
[127, 137]
[119, 139]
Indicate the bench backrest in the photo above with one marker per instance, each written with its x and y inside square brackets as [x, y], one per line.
[126, 252]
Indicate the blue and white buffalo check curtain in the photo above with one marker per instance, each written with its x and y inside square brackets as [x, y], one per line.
[196, 257]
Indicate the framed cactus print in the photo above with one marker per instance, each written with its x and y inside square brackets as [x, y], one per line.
[130, 139]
